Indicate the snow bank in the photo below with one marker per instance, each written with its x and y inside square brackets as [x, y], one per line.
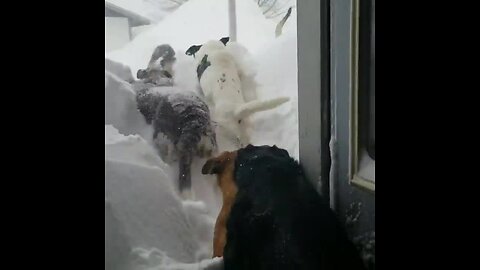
[121, 107]
[117, 247]
[277, 76]
[155, 259]
[120, 70]
[143, 210]
[147, 206]
[135, 31]
[131, 149]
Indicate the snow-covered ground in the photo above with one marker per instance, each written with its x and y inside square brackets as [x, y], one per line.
[147, 225]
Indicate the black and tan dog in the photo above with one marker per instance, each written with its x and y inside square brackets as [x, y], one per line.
[272, 217]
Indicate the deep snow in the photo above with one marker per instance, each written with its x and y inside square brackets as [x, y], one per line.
[143, 210]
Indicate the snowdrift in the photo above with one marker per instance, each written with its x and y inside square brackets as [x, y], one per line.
[120, 70]
[142, 209]
[121, 107]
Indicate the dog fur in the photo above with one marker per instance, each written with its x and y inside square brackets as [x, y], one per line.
[220, 81]
[247, 69]
[223, 166]
[180, 120]
[272, 216]
[160, 67]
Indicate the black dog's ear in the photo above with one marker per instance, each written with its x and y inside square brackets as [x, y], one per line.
[212, 166]
[249, 146]
[224, 40]
[280, 151]
[193, 50]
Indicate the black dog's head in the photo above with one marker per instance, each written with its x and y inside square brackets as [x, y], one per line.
[258, 163]
[251, 163]
[195, 48]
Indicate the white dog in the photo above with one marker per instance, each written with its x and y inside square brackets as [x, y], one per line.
[230, 103]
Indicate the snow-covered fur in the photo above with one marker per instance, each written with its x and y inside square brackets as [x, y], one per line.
[221, 82]
[182, 127]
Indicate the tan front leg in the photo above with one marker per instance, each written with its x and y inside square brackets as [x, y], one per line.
[219, 241]
[229, 191]
[220, 233]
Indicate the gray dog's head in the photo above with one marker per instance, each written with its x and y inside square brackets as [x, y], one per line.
[142, 74]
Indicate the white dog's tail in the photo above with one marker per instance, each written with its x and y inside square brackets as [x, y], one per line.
[258, 106]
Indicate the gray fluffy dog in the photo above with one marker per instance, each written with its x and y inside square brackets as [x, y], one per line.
[182, 127]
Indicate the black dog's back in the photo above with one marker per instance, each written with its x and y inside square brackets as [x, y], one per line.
[279, 221]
